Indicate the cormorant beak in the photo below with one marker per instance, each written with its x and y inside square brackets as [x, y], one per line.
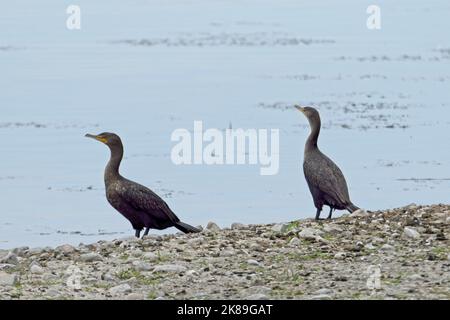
[98, 138]
[301, 109]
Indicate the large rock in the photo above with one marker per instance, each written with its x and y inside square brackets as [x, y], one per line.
[212, 227]
[7, 279]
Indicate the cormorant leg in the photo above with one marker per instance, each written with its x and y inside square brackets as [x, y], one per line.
[147, 229]
[138, 233]
[331, 212]
[318, 214]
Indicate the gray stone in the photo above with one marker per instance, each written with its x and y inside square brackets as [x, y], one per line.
[150, 256]
[170, 268]
[386, 247]
[120, 289]
[7, 266]
[321, 297]
[340, 255]
[359, 213]
[311, 234]
[20, 251]
[411, 233]
[237, 226]
[65, 249]
[10, 258]
[294, 241]
[257, 296]
[253, 262]
[324, 291]
[142, 266]
[213, 227]
[108, 277]
[36, 269]
[227, 253]
[7, 279]
[280, 228]
[134, 296]
[91, 257]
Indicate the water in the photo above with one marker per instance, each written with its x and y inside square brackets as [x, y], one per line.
[145, 68]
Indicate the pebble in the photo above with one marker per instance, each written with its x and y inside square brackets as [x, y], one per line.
[90, 257]
[120, 289]
[310, 234]
[170, 268]
[257, 296]
[324, 291]
[253, 262]
[150, 256]
[294, 241]
[340, 255]
[411, 233]
[321, 297]
[142, 266]
[359, 213]
[134, 296]
[387, 247]
[36, 269]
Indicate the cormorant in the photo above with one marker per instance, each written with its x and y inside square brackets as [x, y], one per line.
[140, 205]
[325, 180]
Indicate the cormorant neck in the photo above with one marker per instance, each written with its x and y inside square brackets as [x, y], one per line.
[112, 168]
[311, 142]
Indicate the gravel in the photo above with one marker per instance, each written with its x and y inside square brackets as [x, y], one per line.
[401, 253]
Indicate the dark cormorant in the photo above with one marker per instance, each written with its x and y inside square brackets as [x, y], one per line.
[140, 205]
[325, 180]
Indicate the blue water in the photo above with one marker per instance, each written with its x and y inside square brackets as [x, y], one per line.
[383, 96]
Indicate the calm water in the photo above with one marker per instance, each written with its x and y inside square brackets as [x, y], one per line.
[145, 68]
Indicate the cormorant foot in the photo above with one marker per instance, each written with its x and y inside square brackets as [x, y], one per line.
[138, 234]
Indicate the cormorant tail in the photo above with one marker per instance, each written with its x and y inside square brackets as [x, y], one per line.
[184, 227]
[351, 208]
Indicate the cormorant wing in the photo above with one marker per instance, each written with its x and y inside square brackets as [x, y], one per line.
[328, 178]
[145, 200]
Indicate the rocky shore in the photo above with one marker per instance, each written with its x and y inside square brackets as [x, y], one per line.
[402, 253]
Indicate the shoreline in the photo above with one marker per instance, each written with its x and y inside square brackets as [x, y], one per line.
[401, 253]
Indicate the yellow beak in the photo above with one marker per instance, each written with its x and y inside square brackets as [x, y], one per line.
[98, 138]
[301, 109]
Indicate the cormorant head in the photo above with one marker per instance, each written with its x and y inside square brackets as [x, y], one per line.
[108, 138]
[310, 113]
